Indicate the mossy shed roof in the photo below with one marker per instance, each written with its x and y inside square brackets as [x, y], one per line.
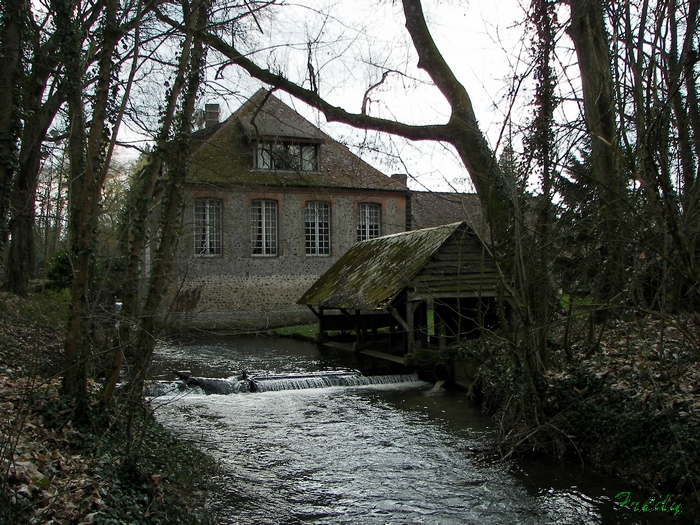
[225, 153]
[372, 274]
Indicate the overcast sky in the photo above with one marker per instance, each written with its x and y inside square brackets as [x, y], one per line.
[482, 40]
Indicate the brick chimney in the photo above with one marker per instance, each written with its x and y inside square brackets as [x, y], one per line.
[400, 177]
[211, 115]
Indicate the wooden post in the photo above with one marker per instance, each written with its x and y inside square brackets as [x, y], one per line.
[422, 323]
[442, 339]
[374, 331]
[359, 332]
[410, 342]
[321, 334]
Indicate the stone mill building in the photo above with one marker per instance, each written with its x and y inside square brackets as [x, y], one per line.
[272, 202]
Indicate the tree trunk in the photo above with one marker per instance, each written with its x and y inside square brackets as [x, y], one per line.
[587, 30]
[138, 215]
[171, 203]
[87, 178]
[13, 19]
[21, 252]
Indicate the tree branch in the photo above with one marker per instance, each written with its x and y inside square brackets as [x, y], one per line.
[332, 113]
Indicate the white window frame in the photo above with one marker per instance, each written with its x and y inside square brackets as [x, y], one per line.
[369, 221]
[263, 222]
[208, 231]
[286, 156]
[317, 228]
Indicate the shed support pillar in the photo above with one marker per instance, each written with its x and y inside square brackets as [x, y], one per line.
[322, 334]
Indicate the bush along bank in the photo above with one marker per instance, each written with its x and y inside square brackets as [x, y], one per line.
[121, 468]
[627, 405]
[644, 429]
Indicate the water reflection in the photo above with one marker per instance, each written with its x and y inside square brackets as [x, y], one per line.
[382, 454]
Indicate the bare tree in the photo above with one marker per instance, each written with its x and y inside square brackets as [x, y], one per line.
[41, 98]
[88, 171]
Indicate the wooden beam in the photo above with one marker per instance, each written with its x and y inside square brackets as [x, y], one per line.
[399, 319]
[317, 314]
[348, 315]
[485, 294]
[384, 355]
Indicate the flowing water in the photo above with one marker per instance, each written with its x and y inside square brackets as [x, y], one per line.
[386, 451]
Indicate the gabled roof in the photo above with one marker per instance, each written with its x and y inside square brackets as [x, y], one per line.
[225, 155]
[374, 272]
[264, 116]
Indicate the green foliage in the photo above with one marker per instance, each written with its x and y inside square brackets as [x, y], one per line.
[306, 332]
[567, 301]
[107, 273]
[59, 274]
[640, 438]
[49, 308]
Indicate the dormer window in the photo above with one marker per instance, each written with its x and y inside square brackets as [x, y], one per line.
[286, 156]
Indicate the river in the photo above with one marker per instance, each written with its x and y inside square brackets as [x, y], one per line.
[398, 453]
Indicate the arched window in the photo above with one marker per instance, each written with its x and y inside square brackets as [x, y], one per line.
[317, 224]
[263, 221]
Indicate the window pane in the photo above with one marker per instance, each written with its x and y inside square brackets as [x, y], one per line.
[200, 232]
[308, 157]
[264, 157]
[317, 225]
[214, 232]
[286, 156]
[263, 219]
[256, 226]
[368, 221]
[270, 227]
[207, 227]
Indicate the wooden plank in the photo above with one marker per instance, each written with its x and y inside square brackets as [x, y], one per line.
[425, 296]
[465, 291]
[338, 346]
[372, 353]
[383, 355]
[464, 276]
[459, 260]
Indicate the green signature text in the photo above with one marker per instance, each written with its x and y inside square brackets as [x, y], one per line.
[624, 499]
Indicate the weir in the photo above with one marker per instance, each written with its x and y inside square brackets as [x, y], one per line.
[291, 381]
[324, 379]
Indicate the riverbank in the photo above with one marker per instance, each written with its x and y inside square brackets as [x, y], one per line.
[52, 471]
[628, 405]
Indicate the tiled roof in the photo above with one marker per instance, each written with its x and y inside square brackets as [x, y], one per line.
[226, 155]
[430, 209]
[274, 120]
[372, 273]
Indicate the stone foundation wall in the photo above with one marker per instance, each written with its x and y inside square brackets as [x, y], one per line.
[221, 302]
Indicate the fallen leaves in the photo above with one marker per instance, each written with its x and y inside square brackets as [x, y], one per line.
[44, 481]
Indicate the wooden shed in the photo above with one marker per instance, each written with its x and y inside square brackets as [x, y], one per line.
[379, 297]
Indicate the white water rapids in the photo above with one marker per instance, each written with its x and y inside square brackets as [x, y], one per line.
[398, 453]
